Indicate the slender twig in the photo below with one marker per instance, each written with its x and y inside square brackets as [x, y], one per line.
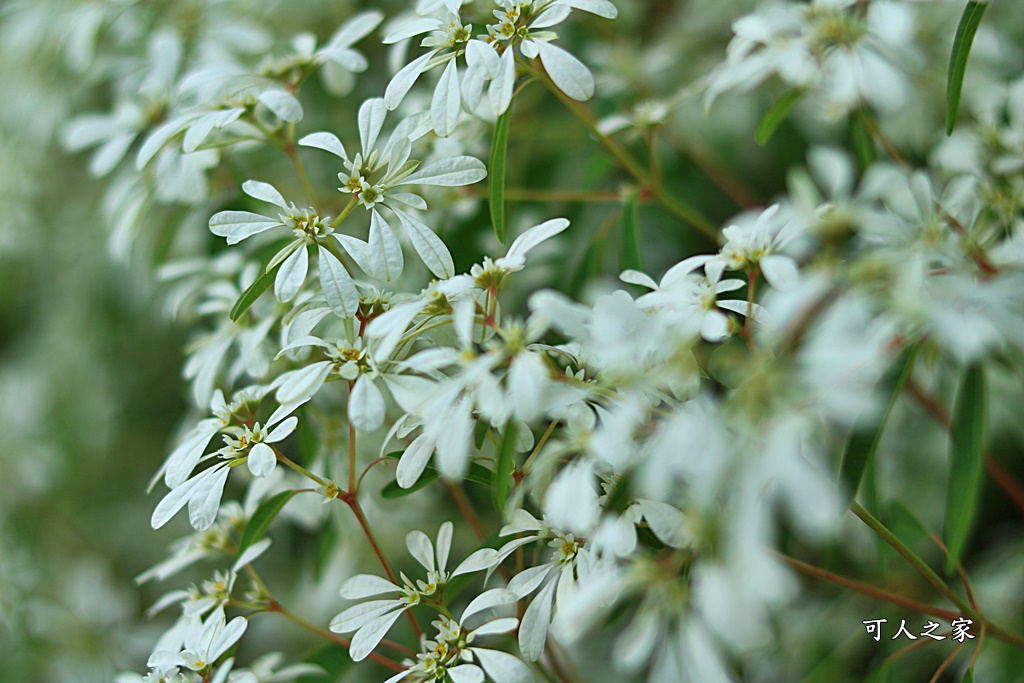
[622, 156]
[1003, 479]
[945, 663]
[867, 589]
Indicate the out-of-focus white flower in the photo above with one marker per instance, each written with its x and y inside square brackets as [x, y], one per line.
[757, 244]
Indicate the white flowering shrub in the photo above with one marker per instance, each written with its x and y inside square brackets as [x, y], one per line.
[551, 340]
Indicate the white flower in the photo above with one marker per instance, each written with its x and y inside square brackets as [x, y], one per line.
[205, 642]
[757, 244]
[372, 620]
[374, 176]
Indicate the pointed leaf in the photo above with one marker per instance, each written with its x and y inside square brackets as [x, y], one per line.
[250, 295]
[504, 466]
[863, 442]
[967, 452]
[339, 289]
[962, 42]
[262, 518]
[776, 114]
[496, 182]
[629, 243]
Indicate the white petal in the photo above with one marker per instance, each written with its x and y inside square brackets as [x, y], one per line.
[714, 327]
[328, 142]
[466, 673]
[447, 101]
[502, 87]
[201, 129]
[403, 81]
[601, 8]
[339, 289]
[553, 15]
[262, 460]
[371, 120]
[292, 274]
[110, 154]
[485, 558]
[449, 172]
[384, 249]
[487, 600]
[444, 545]
[567, 72]
[205, 499]
[634, 277]
[409, 199]
[228, 637]
[356, 28]
[302, 384]
[282, 431]
[366, 405]
[160, 137]
[410, 29]
[172, 502]
[186, 456]
[370, 635]
[366, 585]
[529, 580]
[414, 461]
[502, 667]
[250, 554]
[284, 105]
[533, 632]
[454, 442]
[665, 521]
[780, 272]
[531, 238]
[428, 245]
[497, 627]
[265, 192]
[389, 328]
[237, 225]
[420, 548]
[357, 616]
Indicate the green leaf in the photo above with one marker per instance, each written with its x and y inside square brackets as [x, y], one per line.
[905, 525]
[863, 442]
[496, 175]
[262, 518]
[393, 490]
[861, 141]
[776, 114]
[969, 22]
[629, 244]
[589, 266]
[505, 465]
[968, 676]
[967, 454]
[480, 433]
[250, 295]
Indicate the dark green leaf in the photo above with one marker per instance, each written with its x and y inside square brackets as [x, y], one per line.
[968, 676]
[861, 140]
[262, 518]
[864, 440]
[629, 242]
[967, 454]
[776, 115]
[480, 433]
[496, 175]
[250, 295]
[504, 467]
[962, 42]
[393, 490]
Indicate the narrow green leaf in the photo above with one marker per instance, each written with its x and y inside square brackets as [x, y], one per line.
[392, 490]
[262, 518]
[962, 42]
[967, 455]
[863, 442]
[326, 542]
[496, 175]
[968, 676]
[776, 114]
[629, 242]
[861, 141]
[905, 525]
[480, 433]
[250, 295]
[504, 467]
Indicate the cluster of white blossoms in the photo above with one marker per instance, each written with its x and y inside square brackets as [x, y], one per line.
[640, 452]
